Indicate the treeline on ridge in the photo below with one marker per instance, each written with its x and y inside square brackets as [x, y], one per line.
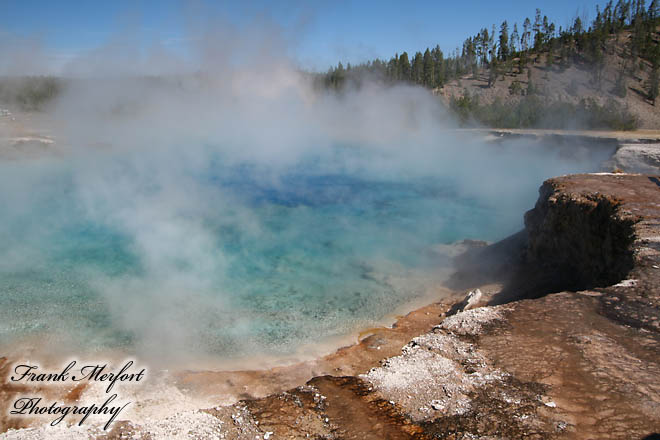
[510, 50]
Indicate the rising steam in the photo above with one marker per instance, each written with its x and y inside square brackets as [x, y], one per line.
[187, 189]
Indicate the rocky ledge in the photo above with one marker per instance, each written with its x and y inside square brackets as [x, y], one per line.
[563, 342]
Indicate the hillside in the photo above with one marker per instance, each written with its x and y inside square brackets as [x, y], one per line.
[567, 84]
[599, 75]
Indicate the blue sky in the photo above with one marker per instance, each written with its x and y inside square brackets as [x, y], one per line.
[319, 33]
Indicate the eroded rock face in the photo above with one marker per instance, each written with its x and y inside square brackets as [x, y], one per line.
[619, 252]
[581, 238]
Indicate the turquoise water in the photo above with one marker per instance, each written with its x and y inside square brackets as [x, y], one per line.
[167, 252]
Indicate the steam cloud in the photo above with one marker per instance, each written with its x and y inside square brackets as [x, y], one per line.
[141, 157]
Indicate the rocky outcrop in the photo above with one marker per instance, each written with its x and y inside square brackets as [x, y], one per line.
[603, 230]
[580, 237]
[637, 158]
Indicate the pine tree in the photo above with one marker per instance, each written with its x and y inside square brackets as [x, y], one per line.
[621, 11]
[438, 66]
[503, 50]
[404, 67]
[598, 22]
[428, 69]
[607, 17]
[417, 69]
[493, 45]
[512, 41]
[546, 34]
[337, 76]
[577, 26]
[524, 41]
[485, 45]
[468, 55]
[537, 30]
[395, 68]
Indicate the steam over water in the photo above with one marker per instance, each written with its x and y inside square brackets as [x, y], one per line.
[211, 219]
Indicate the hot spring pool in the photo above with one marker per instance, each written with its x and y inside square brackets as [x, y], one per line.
[162, 252]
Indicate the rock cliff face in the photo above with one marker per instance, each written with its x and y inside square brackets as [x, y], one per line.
[602, 231]
[581, 237]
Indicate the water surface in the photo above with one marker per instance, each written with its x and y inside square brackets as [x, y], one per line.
[189, 251]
